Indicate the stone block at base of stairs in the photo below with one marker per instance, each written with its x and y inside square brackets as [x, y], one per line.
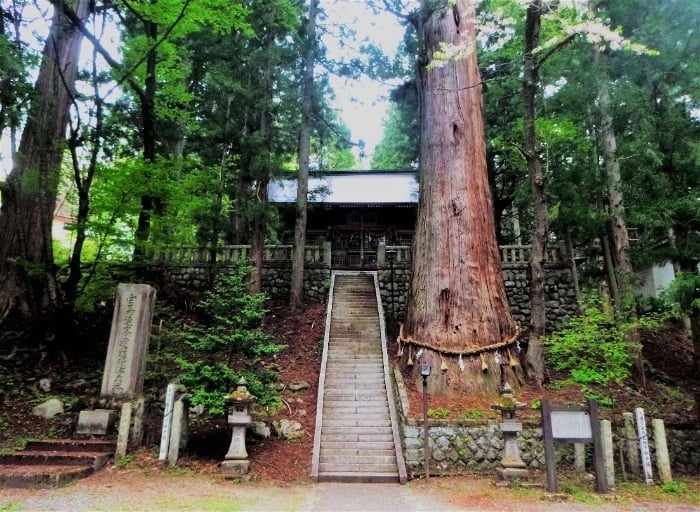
[360, 478]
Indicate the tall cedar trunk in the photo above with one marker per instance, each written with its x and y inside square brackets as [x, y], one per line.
[296, 292]
[458, 303]
[534, 357]
[618, 227]
[27, 277]
[257, 249]
[147, 97]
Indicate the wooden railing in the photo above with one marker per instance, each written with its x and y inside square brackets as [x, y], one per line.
[386, 255]
[518, 254]
[183, 254]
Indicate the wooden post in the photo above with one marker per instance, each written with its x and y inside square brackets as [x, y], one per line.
[549, 455]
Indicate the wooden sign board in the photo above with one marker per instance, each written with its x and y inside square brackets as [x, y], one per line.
[572, 425]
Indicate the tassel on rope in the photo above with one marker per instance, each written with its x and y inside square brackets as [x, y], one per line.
[443, 365]
[513, 361]
[460, 363]
[410, 359]
[399, 353]
[484, 366]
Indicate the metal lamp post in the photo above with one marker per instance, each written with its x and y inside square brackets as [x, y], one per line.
[425, 373]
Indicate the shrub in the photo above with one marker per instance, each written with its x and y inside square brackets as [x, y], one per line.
[231, 326]
[594, 348]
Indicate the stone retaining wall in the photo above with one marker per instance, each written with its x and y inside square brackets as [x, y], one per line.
[394, 286]
[475, 445]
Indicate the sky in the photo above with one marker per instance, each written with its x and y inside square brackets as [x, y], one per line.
[362, 103]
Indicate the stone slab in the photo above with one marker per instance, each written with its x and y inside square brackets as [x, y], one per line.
[99, 422]
[128, 341]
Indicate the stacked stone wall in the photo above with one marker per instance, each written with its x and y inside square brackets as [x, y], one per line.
[477, 445]
[395, 283]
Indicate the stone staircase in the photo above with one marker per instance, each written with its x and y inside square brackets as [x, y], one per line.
[54, 462]
[356, 436]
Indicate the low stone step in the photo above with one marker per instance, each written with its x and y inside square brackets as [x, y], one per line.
[53, 458]
[360, 478]
[347, 437]
[355, 431]
[348, 467]
[375, 423]
[347, 397]
[378, 446]
[388, 460]
[361, 452]
[41, 476]
[71, 445]
[331, 408]
[359, 404]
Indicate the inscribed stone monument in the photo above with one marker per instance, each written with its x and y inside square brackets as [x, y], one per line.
[128, 341]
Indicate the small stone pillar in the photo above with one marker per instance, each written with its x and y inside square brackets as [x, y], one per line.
[512, 465]
[236, 463]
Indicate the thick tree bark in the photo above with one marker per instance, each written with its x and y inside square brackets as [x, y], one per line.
[296, 293]
[623, 271]
[27, 276]
[458, 312]
[538, 318]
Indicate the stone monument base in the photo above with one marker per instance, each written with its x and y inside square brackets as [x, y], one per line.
[235, 468]
[509, 473]
[99, 422]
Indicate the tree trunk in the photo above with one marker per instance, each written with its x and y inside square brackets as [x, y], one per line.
[623, 274]
[27, 277]
[296, 293]
[538, 318]
[458, 312]
[147, 97]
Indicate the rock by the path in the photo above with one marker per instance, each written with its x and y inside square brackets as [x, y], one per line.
[259, 429]
[45, 385]
[49, 409]
[288, 429]
[299, 385]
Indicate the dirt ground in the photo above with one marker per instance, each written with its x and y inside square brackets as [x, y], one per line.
[140, 489]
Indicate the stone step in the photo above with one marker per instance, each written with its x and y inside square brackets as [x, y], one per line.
[355, 431]
[355, 438]
[364, 380]
[385, 460]
[361, 452]
[334, 409]
[41, 476]
[360, 404]
[38, 458]
[348, 467]
[379, 446]
[70, 445]
[358, 421]
[339, 396]
[355, 477]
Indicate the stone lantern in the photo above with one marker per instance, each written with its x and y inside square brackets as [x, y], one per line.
[236, 461]
[512, 465]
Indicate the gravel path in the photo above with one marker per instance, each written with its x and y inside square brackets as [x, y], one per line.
[112, 490]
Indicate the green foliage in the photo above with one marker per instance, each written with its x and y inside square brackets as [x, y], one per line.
[232, 318]
[230, 325]
[124, 461]
[439, 413]
[674, 487]
[210, 384]
[594, 349]
[683, 294]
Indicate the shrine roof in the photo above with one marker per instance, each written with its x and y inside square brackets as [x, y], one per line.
[354, 188]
